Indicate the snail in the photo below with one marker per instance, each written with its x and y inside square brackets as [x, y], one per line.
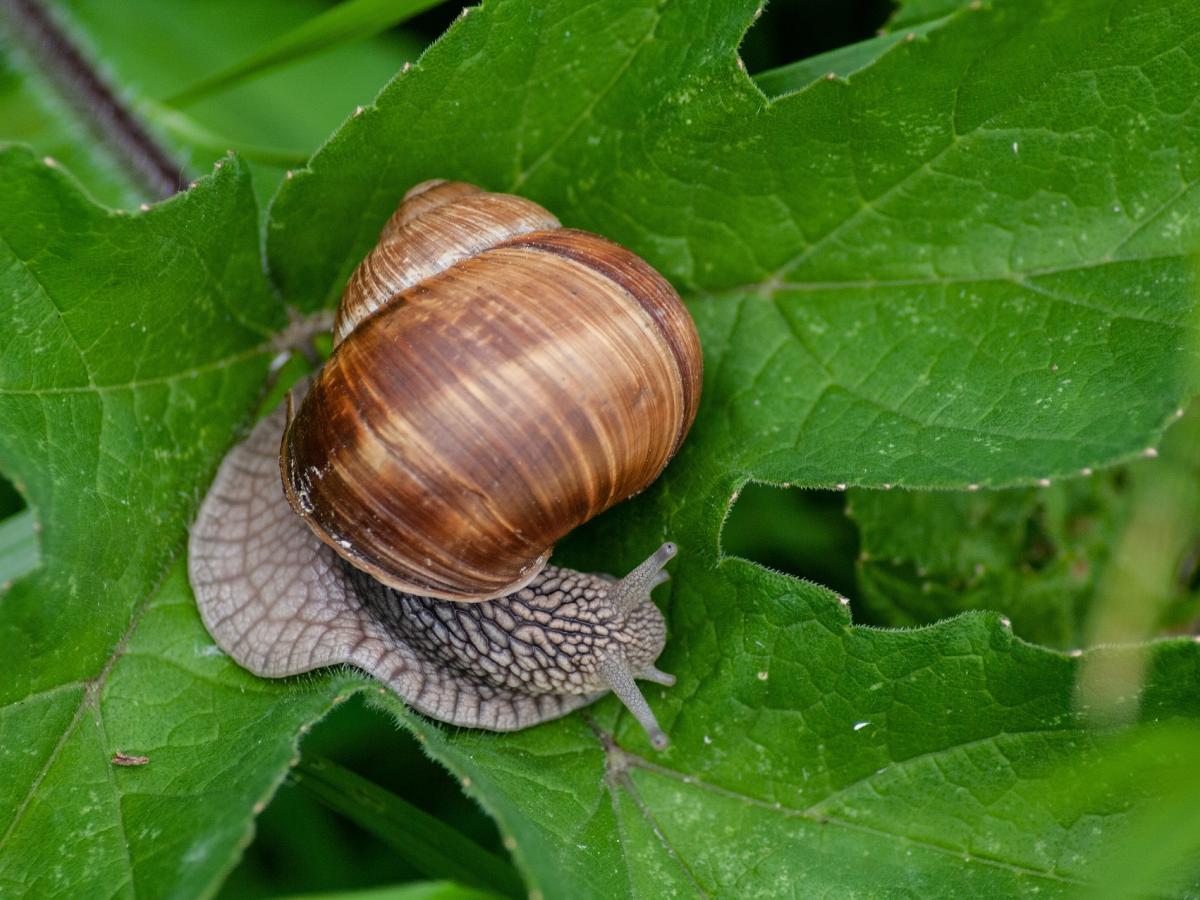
[496, 380]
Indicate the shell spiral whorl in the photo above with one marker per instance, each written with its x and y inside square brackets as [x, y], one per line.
[506, 379]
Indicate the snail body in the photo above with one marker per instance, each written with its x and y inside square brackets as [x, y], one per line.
[496, 380]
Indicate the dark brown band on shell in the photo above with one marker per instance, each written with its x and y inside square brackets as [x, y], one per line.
[644, 286]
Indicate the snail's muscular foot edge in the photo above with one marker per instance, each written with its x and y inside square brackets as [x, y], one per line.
[280, 602]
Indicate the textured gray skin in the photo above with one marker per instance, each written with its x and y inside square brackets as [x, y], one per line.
[280, 602]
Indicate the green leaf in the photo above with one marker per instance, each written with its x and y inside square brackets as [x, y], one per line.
[918, 760]
[941, 286]
[133, 349]
[347, 22]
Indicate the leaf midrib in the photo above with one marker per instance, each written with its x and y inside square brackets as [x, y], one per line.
[590, 107]
[153, 381]
[926, 165]
[93, 687]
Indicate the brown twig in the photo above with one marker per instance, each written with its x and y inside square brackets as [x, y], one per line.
[82, 86]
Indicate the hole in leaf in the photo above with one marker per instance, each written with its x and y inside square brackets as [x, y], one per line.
[801, 532]
[11, 500]
[1188, 577]
[795, 44]
[791, 30]
[1120, 479]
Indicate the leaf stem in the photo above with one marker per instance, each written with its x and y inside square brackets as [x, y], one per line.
[189, 131]
[349, 21]
[427, 843]
[152, 168]
[841, 62]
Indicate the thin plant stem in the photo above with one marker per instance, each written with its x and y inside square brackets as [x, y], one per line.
[77, 80]
[428, 844]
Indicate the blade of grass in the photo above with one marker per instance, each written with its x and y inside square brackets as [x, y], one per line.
[430, 845]
[188, 131]
[18, 546]
[345, 23]
[842, 62]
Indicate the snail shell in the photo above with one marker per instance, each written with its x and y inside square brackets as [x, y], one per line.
[496, 380]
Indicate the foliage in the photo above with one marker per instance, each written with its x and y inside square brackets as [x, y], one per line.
[965, 262]
[1048, 556]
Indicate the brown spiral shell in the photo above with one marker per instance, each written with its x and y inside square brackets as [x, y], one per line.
[497, 380]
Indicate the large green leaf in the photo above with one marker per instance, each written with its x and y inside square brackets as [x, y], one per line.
[133, 348]
[966, 264]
